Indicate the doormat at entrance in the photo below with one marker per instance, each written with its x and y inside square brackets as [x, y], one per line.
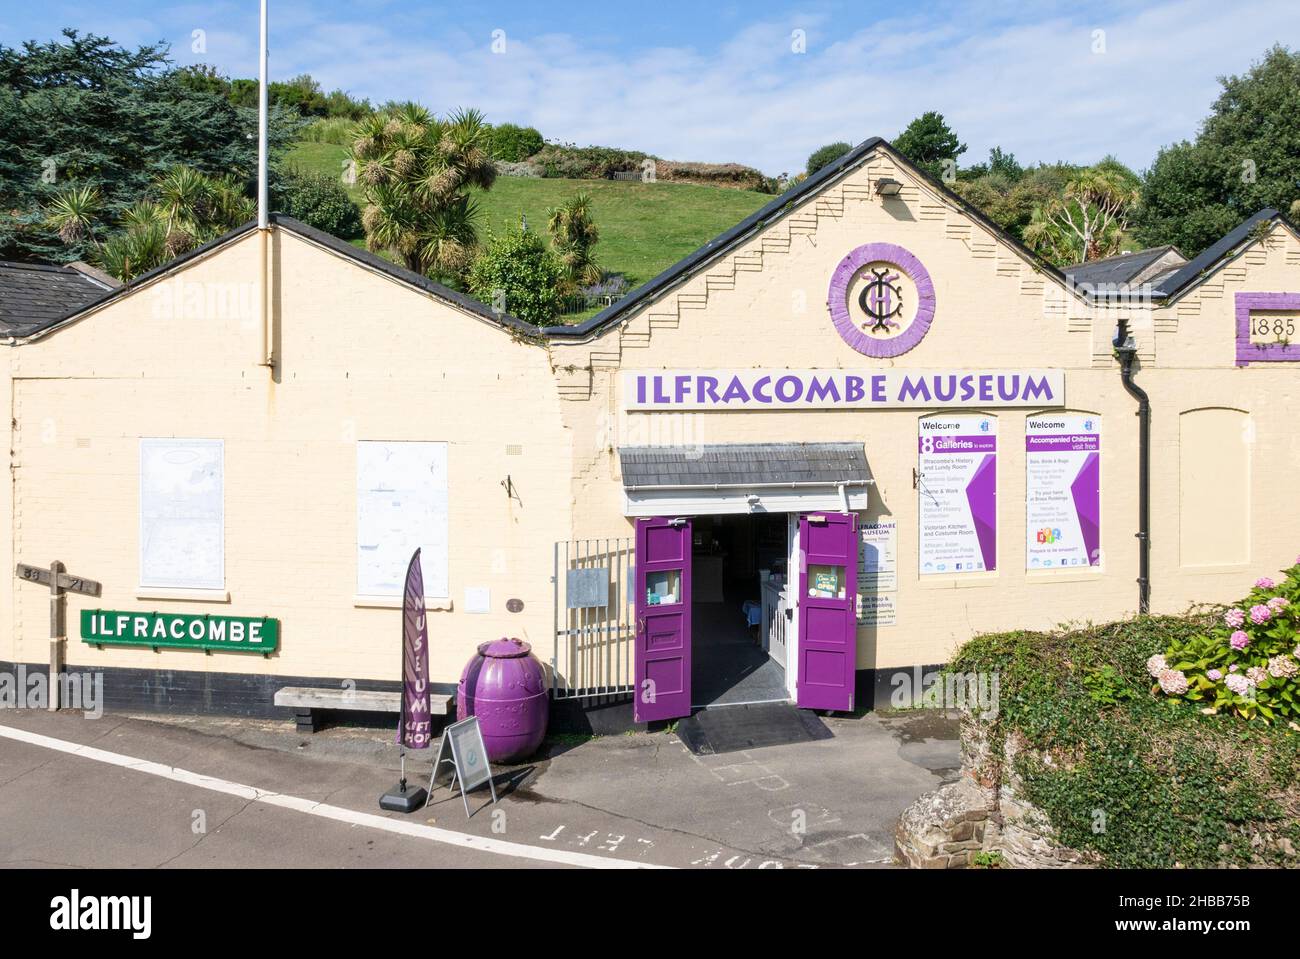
[729, 729]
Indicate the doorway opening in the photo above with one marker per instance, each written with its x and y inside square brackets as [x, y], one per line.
[739, 566]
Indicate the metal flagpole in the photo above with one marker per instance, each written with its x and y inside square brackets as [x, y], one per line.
[266, 349]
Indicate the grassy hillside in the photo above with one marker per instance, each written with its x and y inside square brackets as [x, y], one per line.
[644, 227]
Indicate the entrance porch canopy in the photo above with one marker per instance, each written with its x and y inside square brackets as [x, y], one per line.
[743, 478]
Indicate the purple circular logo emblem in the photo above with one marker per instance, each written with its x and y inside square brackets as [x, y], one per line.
[881, 300]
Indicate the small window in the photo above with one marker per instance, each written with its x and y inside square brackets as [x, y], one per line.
[663, 587]
[826, 582]
[182, 514]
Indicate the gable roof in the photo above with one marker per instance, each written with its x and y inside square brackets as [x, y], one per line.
[319, 237]
[34, 295]
[786, 203]
[1123, 268]
[1167, 283]
[1173, 284]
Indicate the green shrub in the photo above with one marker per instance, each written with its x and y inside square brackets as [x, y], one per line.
[587, 163]
[318, 200]
[1141, 780]
[513, 143]
[335, 130]
[732, 175]
[1247, 663]
[826, 156]
[516, 273]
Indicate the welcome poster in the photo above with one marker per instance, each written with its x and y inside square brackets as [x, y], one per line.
[958, 487]
[1062, 491]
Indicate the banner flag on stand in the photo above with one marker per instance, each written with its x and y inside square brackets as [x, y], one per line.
[415, 731]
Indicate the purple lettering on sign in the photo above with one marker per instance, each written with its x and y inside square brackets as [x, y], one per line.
[823, 389]
[839, 389]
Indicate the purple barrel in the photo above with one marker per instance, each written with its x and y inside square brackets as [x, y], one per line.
[505, 687]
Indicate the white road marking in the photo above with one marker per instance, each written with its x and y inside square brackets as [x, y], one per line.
[498, 847]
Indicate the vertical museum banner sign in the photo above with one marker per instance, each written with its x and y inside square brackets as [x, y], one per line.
[958, 485]
[415, 730]
[1062, 491]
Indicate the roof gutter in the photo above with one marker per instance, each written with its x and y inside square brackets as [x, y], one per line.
[841, 484]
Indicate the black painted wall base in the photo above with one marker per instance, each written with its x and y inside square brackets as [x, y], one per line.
[216, 694]
[252, 695]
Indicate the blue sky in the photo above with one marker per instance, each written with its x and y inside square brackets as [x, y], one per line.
[760, 82]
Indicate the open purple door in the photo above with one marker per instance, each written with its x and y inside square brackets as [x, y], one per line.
[662, 653]
[828, 623]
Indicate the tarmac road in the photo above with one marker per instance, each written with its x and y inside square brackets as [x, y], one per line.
[187, 792]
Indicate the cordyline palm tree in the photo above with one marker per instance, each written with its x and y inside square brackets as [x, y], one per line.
[1089, 220]
[74, 213]
[573, 234]
[184, 209]
[417, 171]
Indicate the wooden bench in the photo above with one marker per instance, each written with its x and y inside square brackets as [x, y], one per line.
[306, 700]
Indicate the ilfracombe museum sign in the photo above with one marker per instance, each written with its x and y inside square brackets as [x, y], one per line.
[840, 389]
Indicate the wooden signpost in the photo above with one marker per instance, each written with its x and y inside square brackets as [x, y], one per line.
[60, 582]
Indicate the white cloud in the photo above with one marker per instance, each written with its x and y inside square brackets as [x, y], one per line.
[1028, 82]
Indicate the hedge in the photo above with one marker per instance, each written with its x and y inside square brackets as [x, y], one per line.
[1142, 779]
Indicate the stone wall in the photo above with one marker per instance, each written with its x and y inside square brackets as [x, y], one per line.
[983, 811]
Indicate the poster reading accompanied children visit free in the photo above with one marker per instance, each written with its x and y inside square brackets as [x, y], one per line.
[1062, 491]
[957, 486]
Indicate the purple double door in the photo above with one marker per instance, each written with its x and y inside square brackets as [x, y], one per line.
[828, 617]
[827, 598]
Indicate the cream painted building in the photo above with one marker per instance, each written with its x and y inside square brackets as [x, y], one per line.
[796, 412]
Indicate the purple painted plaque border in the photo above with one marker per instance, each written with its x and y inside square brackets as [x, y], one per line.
[1248, 352]
[837, 299]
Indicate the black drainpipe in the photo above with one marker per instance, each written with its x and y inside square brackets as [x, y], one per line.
[1126, 350]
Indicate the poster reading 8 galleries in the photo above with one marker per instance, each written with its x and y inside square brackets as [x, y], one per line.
[958, 487]
[1062, 491]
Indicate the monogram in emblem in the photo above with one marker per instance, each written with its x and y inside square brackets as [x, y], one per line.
[882, 300]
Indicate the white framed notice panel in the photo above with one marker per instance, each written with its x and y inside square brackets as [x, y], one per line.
[957, 483]
[1063, 491]
[182, 514]
[401, 506]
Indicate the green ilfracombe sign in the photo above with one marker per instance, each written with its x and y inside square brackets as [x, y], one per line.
[109, 627]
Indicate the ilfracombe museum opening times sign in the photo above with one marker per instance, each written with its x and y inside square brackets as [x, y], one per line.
[752, 390]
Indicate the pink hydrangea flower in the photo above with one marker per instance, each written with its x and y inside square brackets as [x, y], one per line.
[1239, 640]
[1264, 583]
[1282, 667]
[1215, 674]
[1238, 684]
[1256, 675]
[1278, 603]
[1259, 615]
[1173, 682]
[1234, 618]
[1232, 668]
[1156, 665]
